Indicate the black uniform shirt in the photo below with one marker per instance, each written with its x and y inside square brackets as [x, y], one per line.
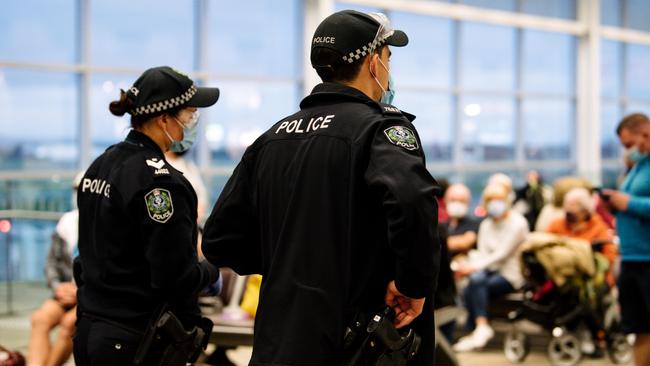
[137, 236]
[329, 205]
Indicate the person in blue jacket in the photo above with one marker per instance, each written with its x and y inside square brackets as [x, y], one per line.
[632, 206]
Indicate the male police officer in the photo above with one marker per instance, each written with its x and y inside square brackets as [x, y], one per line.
[333, 206]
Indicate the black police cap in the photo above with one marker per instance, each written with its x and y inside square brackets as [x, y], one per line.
[161, 88]
[352, 35]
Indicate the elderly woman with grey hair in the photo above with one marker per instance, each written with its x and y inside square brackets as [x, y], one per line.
[581, 221]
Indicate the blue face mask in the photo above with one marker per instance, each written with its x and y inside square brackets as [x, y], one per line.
[189, 134]
[387, 95]
[635, 155]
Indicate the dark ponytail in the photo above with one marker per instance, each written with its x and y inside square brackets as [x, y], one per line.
[120, 107]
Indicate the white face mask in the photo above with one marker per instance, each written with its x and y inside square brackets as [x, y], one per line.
[457, 209]
[496, 208]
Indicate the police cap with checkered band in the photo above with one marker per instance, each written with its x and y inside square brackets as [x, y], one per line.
[354, 35]
[162, 88]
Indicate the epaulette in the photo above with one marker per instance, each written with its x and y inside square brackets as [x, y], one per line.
[391, 110]
[158, 167]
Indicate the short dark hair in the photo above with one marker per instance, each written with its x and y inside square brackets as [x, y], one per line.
[632, 122]
[331, 68]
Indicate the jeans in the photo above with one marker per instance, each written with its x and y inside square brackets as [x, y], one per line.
[483, 286]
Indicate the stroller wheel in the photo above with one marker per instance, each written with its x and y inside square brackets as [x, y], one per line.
[516, 345]
[619, 349]
[564, 350]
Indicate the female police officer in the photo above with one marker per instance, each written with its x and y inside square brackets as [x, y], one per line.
[138, 224]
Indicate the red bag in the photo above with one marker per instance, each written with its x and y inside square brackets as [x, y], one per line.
[11, 358]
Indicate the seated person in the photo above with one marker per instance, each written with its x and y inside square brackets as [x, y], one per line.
[61, 308]
[531, 198]
[582, 222]
[553, 210]
[493, 269]
[462, 226]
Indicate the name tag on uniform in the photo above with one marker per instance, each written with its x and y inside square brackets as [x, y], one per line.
[302, 126]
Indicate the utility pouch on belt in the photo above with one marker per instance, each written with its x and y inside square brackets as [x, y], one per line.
[372, 340]
[179, 346]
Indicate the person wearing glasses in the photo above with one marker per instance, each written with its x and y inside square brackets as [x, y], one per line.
[138, 225]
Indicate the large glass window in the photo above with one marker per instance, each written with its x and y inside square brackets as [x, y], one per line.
[28, 242]
[638, 107]
[488, 57]
[488, 128]
[107, 129]
[508, 5]
[637, 14]
[638, 72]
[255, 37]
[475, 85]
[142, 34]
[610, 68]
[613, 176]
[433, 122]
[244, 111]
[610, 117]
[426, 60]
[52, 194]
[38, 119]
[548, 129]
[548, 60]
[550, 8]
[364, 9]
[610, 12]
[38, 31]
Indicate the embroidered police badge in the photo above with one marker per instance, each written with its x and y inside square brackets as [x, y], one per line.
[401, 136]
[159, 205]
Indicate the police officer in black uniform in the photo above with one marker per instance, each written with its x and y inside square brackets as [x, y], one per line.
[334, 206]
[138, 224]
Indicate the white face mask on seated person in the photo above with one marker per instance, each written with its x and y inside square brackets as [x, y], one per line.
[496, 208]
[457, 209]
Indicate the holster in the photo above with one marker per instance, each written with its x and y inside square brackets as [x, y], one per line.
[373, 340]
[178, 346]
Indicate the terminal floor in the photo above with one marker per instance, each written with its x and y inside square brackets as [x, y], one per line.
[14, 332]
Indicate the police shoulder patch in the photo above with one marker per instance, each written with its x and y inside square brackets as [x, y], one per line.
[402, 137]
[159, 205]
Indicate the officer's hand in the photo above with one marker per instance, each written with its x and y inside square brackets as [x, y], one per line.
[406, 309]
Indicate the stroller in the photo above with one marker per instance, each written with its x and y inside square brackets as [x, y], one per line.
[566, 294]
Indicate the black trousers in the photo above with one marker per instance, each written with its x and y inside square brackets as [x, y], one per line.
[98, 343]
